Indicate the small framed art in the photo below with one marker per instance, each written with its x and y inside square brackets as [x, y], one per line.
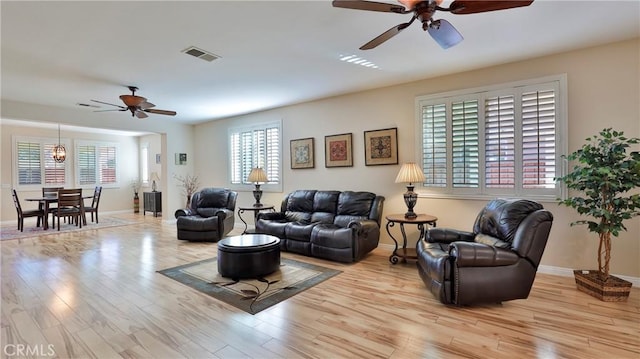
[302, 153]
[338, 150]
[381, 147]
[181, 158]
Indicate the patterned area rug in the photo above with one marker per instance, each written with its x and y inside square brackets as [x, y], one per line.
[251, 295]
[30, 229]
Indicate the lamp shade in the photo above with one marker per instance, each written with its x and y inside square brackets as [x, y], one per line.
[410, 172]
[257, 175]
[154, 176]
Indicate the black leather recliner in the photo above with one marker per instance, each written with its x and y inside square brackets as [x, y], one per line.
[339, 226]
[210, 217]
[494, 263]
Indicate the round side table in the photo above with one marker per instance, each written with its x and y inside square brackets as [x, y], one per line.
[405, 253]
[255, 210]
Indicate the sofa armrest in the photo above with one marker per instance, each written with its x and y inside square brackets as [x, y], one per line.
[271, 216]
[471, 254]
[447, 235]
[224, 213]
[364, 225]
[183, 212]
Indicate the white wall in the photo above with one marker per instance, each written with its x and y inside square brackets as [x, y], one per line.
[603, 91]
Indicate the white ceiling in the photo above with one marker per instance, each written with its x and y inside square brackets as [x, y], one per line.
[273, 53]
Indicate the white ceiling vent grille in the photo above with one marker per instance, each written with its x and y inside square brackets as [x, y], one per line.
[201, 54]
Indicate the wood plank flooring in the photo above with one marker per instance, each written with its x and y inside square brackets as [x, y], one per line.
[96, 294]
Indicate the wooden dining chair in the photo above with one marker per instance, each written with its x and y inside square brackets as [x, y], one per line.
[94, 204]
[50, 192]
[70, 206]
[26, 213]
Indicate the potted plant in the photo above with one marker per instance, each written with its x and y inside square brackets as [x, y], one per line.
[605, 176]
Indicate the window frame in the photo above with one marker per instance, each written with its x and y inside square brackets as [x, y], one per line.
[42, 142]
[98, 182]
[272, 186]
[559, 84]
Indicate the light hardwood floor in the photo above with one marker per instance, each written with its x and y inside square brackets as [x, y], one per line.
[97, 294]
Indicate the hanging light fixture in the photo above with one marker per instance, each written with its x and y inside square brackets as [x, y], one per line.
[59, 152]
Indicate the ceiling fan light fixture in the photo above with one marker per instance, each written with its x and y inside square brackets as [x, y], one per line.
[444, 33]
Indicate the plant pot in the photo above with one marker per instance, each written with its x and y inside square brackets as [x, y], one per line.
[613, 289]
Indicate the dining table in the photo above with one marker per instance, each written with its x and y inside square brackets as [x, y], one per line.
[45, 202]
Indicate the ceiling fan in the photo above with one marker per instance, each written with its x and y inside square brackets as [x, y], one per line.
[137, 105]
[441, 30]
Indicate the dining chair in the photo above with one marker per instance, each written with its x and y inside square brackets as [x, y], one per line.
[26, 213]
[50, 192]
[94, 204]
[70, 205]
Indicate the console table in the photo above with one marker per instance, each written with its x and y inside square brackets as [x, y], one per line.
[420, 221]
[152, 203]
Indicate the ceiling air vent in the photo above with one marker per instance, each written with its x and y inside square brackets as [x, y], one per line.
[201, 54]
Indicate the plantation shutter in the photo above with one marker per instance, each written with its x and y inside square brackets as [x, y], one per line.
[107, 162]
[499, 142]
[538, 139]
[29, 172]
[247, 155]
[87, 168]
[272, 165]
[54, 172]
[434, 149]
[465, 142]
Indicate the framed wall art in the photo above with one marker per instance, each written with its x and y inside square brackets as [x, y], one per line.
[381, 147]
[338, 150]
[181, 159]
[302, 153]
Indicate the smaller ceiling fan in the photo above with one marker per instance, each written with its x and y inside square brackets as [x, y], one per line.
[137, 105]
[441, 30]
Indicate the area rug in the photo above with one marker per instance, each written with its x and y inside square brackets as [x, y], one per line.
[251, 295]
[30, 229]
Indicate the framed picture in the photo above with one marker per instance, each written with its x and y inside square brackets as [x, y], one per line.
[157, 158]
[181, 158]
[338, 150]
[381, 147]
[302, 153]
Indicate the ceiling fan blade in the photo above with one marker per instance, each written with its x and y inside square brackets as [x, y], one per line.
[370, 6]
[444, 33]
[141, 114]
[386, 35]
[106, 103]
[161, 112]
[145, 105]
[115, 109]
[132, 100]
[473, 6]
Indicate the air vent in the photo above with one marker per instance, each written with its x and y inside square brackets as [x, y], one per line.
[201, 54]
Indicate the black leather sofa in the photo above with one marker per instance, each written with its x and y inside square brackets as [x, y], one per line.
[210, 217]
[334, 225]
[494, 263]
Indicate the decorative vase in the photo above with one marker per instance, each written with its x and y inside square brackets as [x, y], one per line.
[188, 201]
[613, 289]
[136, 203]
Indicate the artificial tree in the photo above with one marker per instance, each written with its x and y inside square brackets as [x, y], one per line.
[607, 176]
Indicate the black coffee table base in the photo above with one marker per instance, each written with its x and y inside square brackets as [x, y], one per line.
[248, 256]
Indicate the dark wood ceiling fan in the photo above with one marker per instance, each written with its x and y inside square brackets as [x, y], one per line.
[441, 30]
[137, 105]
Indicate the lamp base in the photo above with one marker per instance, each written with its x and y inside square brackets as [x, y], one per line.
[257, 194]
[410, 199]
[410, 215]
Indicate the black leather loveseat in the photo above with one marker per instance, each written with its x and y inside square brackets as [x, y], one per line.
[340, 226]
[209, 217]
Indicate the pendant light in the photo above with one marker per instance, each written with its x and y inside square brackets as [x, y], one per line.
[59, 152]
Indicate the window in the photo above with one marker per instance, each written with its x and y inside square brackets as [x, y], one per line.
[257, 146]
[35, 165]
[500, 141]
[144, 163]
[96, 164]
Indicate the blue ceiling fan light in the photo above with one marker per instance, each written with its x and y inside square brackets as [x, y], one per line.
[444, 33]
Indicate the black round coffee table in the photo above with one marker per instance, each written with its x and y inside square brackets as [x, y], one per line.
[248, 256]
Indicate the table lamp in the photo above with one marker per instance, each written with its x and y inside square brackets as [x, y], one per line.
[256, 176]
[410, 173]
[154, 177]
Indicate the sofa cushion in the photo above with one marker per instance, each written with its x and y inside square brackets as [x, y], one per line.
[500, 218]
[355, 203]
[211, 198]
[197, 224]
[332, 236]
[207, 212]
[301, 201]
[299, 231]
[326, 201]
